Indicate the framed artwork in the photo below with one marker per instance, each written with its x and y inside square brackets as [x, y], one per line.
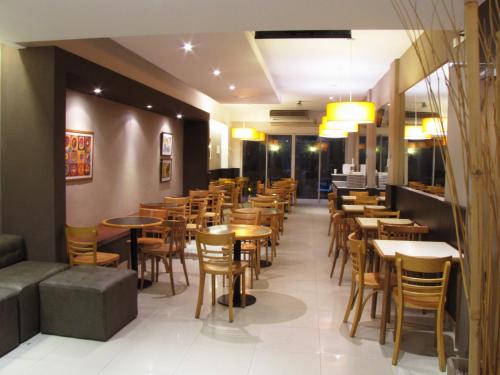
[165, 170]
[78, 155]
[165, 144]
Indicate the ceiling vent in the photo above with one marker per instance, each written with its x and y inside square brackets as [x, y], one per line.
[289, 116]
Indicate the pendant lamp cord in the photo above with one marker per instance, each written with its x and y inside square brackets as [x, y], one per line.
[350, 70]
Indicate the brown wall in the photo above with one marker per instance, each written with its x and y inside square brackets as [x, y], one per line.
[126, 159]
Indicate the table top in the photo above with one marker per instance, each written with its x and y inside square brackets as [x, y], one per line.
[242, 231]
[360, 208]
[263, 211]
[132, 222]
[427, 249]
[352, 198]
[371, 222]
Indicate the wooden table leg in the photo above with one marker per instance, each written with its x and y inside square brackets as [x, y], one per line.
[386, 301]
[376, 268]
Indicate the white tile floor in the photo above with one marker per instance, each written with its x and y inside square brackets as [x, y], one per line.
[294, 328]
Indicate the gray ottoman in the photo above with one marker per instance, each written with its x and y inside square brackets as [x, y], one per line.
[9, 333]
[88, 302]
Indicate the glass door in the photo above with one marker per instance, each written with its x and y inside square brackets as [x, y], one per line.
[307, 150]
[332, 159]
[279, 157]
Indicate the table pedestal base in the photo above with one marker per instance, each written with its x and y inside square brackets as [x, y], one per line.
[237, 302]
[265, 263]
[147, 283]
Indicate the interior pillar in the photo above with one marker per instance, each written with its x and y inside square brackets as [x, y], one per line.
[396, 159]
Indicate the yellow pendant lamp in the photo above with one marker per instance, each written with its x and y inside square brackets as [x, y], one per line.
[415, 133]
[351, 112]
[244, 133]
[331, 130]
[435, 126]
[345, 126]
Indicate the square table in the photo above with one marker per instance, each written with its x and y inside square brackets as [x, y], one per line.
[386, 250]
[352, 199]
[359, 209]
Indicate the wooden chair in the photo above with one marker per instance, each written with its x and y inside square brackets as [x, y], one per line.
[198, 193]
[269, 201]
[357, 193]
[81, 245]
[231, 202]
[421, 284]
[331, 210]
[152, 236]
[180, 201]
[342, 228]
[369, 212]
[409, 232]
[214, 207]
[360, 281]
[369, 200]
[196, 219]
[332, 196]
[249, 248]
[260, 187]
[173, 246]
[218, 261]
[216, 187]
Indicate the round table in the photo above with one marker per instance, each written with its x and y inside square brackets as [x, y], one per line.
[263, 212]
[134, 223]
[242, 232]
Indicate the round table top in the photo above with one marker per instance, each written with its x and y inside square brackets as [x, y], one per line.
[132, 222]
[263, 211]
[242, 231]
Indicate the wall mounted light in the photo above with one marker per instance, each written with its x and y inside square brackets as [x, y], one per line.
[149, 106]
[216, 72]
[179, 116]
[188, 47]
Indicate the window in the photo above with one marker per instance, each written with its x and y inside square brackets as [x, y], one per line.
[382, 152]
[254, 162]
[279, 156]
[307, 149]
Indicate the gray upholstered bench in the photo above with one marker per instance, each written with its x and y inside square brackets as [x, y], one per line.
[88, 302]
[9, 331]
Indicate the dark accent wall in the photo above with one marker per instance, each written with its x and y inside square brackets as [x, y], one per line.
[32, 135]
[195, 159]
[33, 89]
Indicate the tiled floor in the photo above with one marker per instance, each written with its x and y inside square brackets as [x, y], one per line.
[294, 328]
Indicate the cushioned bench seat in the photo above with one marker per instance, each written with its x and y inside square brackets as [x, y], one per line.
[23, 278]
[9, 332]
[88, 302]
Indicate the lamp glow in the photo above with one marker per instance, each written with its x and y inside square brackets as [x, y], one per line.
[345, 126]
[249, 134]
[274, 147]
[415, 133]
[353, 112]
[435, 126]
[326, 132]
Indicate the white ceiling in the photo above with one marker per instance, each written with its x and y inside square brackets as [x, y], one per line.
[37, 20]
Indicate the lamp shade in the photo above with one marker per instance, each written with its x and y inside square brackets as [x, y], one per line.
[326, 132]
[249, 134]
[435, 126]
[346, 126]
[354, 112]
[415, 133]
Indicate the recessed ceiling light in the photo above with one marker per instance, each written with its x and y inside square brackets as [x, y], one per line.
[232, 87]
[330, 98]
[149, 106]
[179, 115]
[97, 90]
[216, 72]
[188, 47]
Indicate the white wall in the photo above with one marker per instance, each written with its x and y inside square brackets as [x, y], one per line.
[219, 144]
[126, 159]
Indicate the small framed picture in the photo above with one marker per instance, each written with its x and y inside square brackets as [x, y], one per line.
[165, 144]
[165, 170]
[79, 155]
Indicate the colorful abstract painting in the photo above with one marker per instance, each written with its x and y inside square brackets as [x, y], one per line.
[78, 155]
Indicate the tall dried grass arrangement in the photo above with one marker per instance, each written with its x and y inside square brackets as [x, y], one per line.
[474, 95]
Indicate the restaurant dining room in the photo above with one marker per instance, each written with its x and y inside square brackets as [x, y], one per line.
[270, 187]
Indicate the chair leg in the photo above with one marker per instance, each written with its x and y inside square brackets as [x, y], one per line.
[243, 289]
[345, 256]
[183, 260]
[397, 341]
[359, 311]
[351, 300]
[231, 289]
[333, 245]
[201, 292]
[213, 289]
[330, 225]
[440, 340]
[171, 272]
[335, 257]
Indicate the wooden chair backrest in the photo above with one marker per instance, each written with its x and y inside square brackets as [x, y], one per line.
[369, 212]
[151, 212]
[176, 233]
[331, 207]
[409, 232]
[216, 187]
[198, 206]
[278, 191]
[198, 193]
[177, 212]
[358, 193]
[364, 199]
[260, 187]
[221, 256]
[357, 254]
[332, 196]
[252, 218]
[81, 241]
[154, 206]
[263, 203]
[422, 279]
[215, 200]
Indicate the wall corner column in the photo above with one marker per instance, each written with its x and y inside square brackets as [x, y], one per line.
[396, 160]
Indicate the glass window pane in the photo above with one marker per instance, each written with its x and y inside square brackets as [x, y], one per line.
[382, 152]
[254, 162]
[420, 161]
[332, 158]
[362, 149]
[279, 156]
[307, 151]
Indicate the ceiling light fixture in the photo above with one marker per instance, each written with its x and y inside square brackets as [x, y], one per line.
[187, 47]
[149, 106]
[351, 112]
[327, 129]
[415, 132]
[179, 115]
[97, 91]
[232, 87]
[435, 126]
[338, 126]
[216, 72]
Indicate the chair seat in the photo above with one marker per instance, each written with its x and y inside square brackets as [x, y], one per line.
[238, 267]
[150, 241]
[375, 280]
[161, 250]
[210, 214]
[102, 258]
[248, 246]
[427, 303]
